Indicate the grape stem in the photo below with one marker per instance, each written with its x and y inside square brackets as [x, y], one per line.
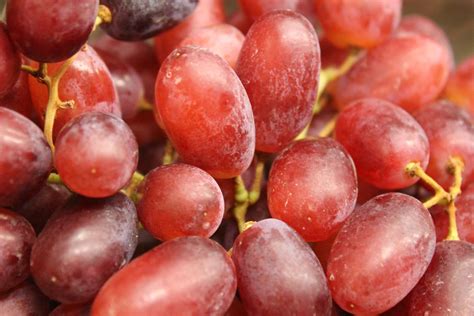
[414, 169]
[329, 127]
[103, 16]
[456, 168]
[131, 190]
[54, 178]
[169, 155]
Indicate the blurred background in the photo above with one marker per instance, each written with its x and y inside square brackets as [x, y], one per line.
[456, 17]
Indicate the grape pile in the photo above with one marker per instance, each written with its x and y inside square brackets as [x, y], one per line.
[291, 157]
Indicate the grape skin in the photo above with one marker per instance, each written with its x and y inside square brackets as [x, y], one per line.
[82, 245]
[380, 253]
[25, 299]
[187, 275]
[460, 87]
[256, 8]
[18, 98]
[9, 62]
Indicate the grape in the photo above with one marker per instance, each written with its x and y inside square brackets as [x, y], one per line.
[380, 253]
[240, 21]
[145, 129]
[367, 191]
[382, 139]
[87, 82]
[25, 299]
[16, 239]
[180, 200]
[207, 13]
[206, 275]
[82, 245]
[9, 62]
[450, 132]
[320, 121]
[447, 287]
[363, 23]
[54, 29]
[198, 91]
[39, 208]
[221, 39]
[25, 159]
[96, 154]
[464, 217]
[256, 8]
[127, 82]
[460, 86]
[71, 310]
[322, 250]
[281, 81]
[332, 56]
[150, 157]
[408, 70]
[142, 19]
[236, 309]
[278, 273]
[19, 98]
[313, 187]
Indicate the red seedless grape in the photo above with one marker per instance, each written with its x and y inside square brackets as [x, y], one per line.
[240, 21]
[71, 310]
[198, 91]
[382, 139]
[313, 187]
[145, 128]
[460, 87]
[188, 275]
[18, 98]
[9, 62]
[380, 253]
[25, 299]
[279, 67]
[256, 8]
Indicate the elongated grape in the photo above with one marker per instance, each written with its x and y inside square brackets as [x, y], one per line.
[278, 273]
[221, 39]
[281, 81]
[460, 86]
[206, 274]
[256, 8]
[108, 151]
[16, 239]
[197, 90]
[142, 19]
[82, 245]
[313, 187]
[87, 82]
[55, 29]
[25, 299]
[362, 23]
[180, 200]
[408, 70]
[18, 98]
[25, 159]
[380, 254]
[9, 62]
[447, 287]
[450, 131]
[207, 13]
[382, 139]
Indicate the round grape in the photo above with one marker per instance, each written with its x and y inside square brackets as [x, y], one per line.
[10, 62]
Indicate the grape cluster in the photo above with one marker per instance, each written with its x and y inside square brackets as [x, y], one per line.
[297, 157]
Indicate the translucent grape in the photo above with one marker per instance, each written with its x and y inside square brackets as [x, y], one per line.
[9, 62]
[382, 139]
[82, 245]
[198, 91]
[380, 253]
[207, 281]
[278, 273]
[25, 299]
[460, 87]
[313, 187]
[281, 81]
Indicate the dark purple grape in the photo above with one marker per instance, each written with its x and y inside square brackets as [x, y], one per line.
[26, 299]
[16, 239]
[25, 158]
[278, 273]
[50, 30]
[9, 62]
[142, 19]
[82, 245]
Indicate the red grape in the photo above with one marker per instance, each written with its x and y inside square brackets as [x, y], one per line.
[362, 23]
[382, 139]
[313, 187]
[447, 287]
[460, 87]
[207, 13]
[87, 82]
[188, 275]
[9, 62]
[96, 154]
[150, 157]
[82, 245]
[50, 30]
[408, 70]
[221, 39]
[380, 253]
[180, 200]
[279, 67]
[240, 21]
[332, 56]
[71, 310]
[145, 129]
[25, 159]
[256, 8]
[19, 98]
[450, 132]
[278, 273]
[16, 239]
[198, 91]
[25, 299]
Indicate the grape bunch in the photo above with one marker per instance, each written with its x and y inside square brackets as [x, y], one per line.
[210, 157]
